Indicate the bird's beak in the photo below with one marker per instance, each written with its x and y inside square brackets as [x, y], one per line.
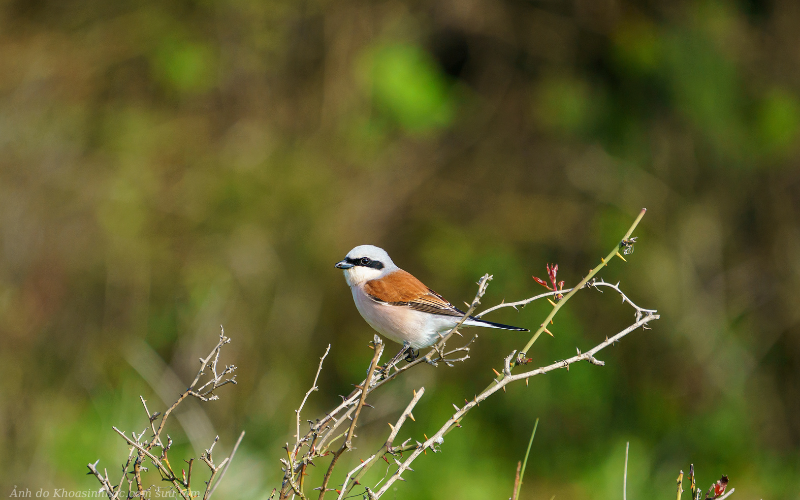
[343, 264]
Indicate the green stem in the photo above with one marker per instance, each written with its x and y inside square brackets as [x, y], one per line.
[525, 461]
[613, 253]
[566, 297]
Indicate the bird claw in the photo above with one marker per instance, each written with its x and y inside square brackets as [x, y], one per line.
[411, 355]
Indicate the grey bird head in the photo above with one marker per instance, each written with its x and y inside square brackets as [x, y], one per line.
[365, 263]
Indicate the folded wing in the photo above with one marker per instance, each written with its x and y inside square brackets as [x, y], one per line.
[400, 288]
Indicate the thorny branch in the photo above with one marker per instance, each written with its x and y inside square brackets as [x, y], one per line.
[454, 421]
[597, 284]
[141, 449]
[313, 388]
[226, 463]
[348, 439]
[206, 457]
[324, 431]
[300, 408]
[387, 447]
[603, 262]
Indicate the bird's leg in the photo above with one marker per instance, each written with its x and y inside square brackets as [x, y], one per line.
[411, 355]
[406, 347]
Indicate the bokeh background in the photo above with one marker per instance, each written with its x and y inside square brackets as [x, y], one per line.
[170, 167]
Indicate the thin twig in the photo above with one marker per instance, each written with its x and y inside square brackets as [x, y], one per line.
[515, 493]
[593, 283]
[347, 443]
[323, 432]
[331, 436]
[298, 440]
[597, 283]
[144, 449]
[151, 418]
[521, 475]
[625, 475]
[387, 446]
[188, 481]
[209, 461]
[483, 283]
[349, 474]
[402, 420]
[103, 481]
[313, 388]
[613, 253]
[522, 303]
[190, 391]
[454, 421]
[124, 472]
[326, 433]
[227, 463]
[156, 462]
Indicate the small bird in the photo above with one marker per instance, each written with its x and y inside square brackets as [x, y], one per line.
[396, 304]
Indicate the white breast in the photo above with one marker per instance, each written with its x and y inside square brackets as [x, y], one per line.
[401, 323]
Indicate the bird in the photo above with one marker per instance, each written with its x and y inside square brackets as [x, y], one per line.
[398, 305]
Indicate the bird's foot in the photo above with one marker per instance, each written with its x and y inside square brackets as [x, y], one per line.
[384, 370]
[411, 355]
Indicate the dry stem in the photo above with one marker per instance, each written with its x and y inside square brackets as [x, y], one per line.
[143, 449]
[438, 438]
[348, 444]
[323, 432]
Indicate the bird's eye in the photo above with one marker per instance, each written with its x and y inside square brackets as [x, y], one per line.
[365, 261]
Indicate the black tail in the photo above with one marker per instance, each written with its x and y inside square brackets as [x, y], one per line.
[473, 321]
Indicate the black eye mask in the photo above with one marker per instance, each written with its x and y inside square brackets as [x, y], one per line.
[365, 262]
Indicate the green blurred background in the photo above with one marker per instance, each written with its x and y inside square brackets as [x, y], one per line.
[167, 167]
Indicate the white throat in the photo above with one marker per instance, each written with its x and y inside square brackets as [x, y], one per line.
[357, 276]
[368, 263]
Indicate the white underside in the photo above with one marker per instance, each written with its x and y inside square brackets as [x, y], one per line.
[403, 324]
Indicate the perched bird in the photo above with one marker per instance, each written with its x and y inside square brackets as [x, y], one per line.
[396, 304]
